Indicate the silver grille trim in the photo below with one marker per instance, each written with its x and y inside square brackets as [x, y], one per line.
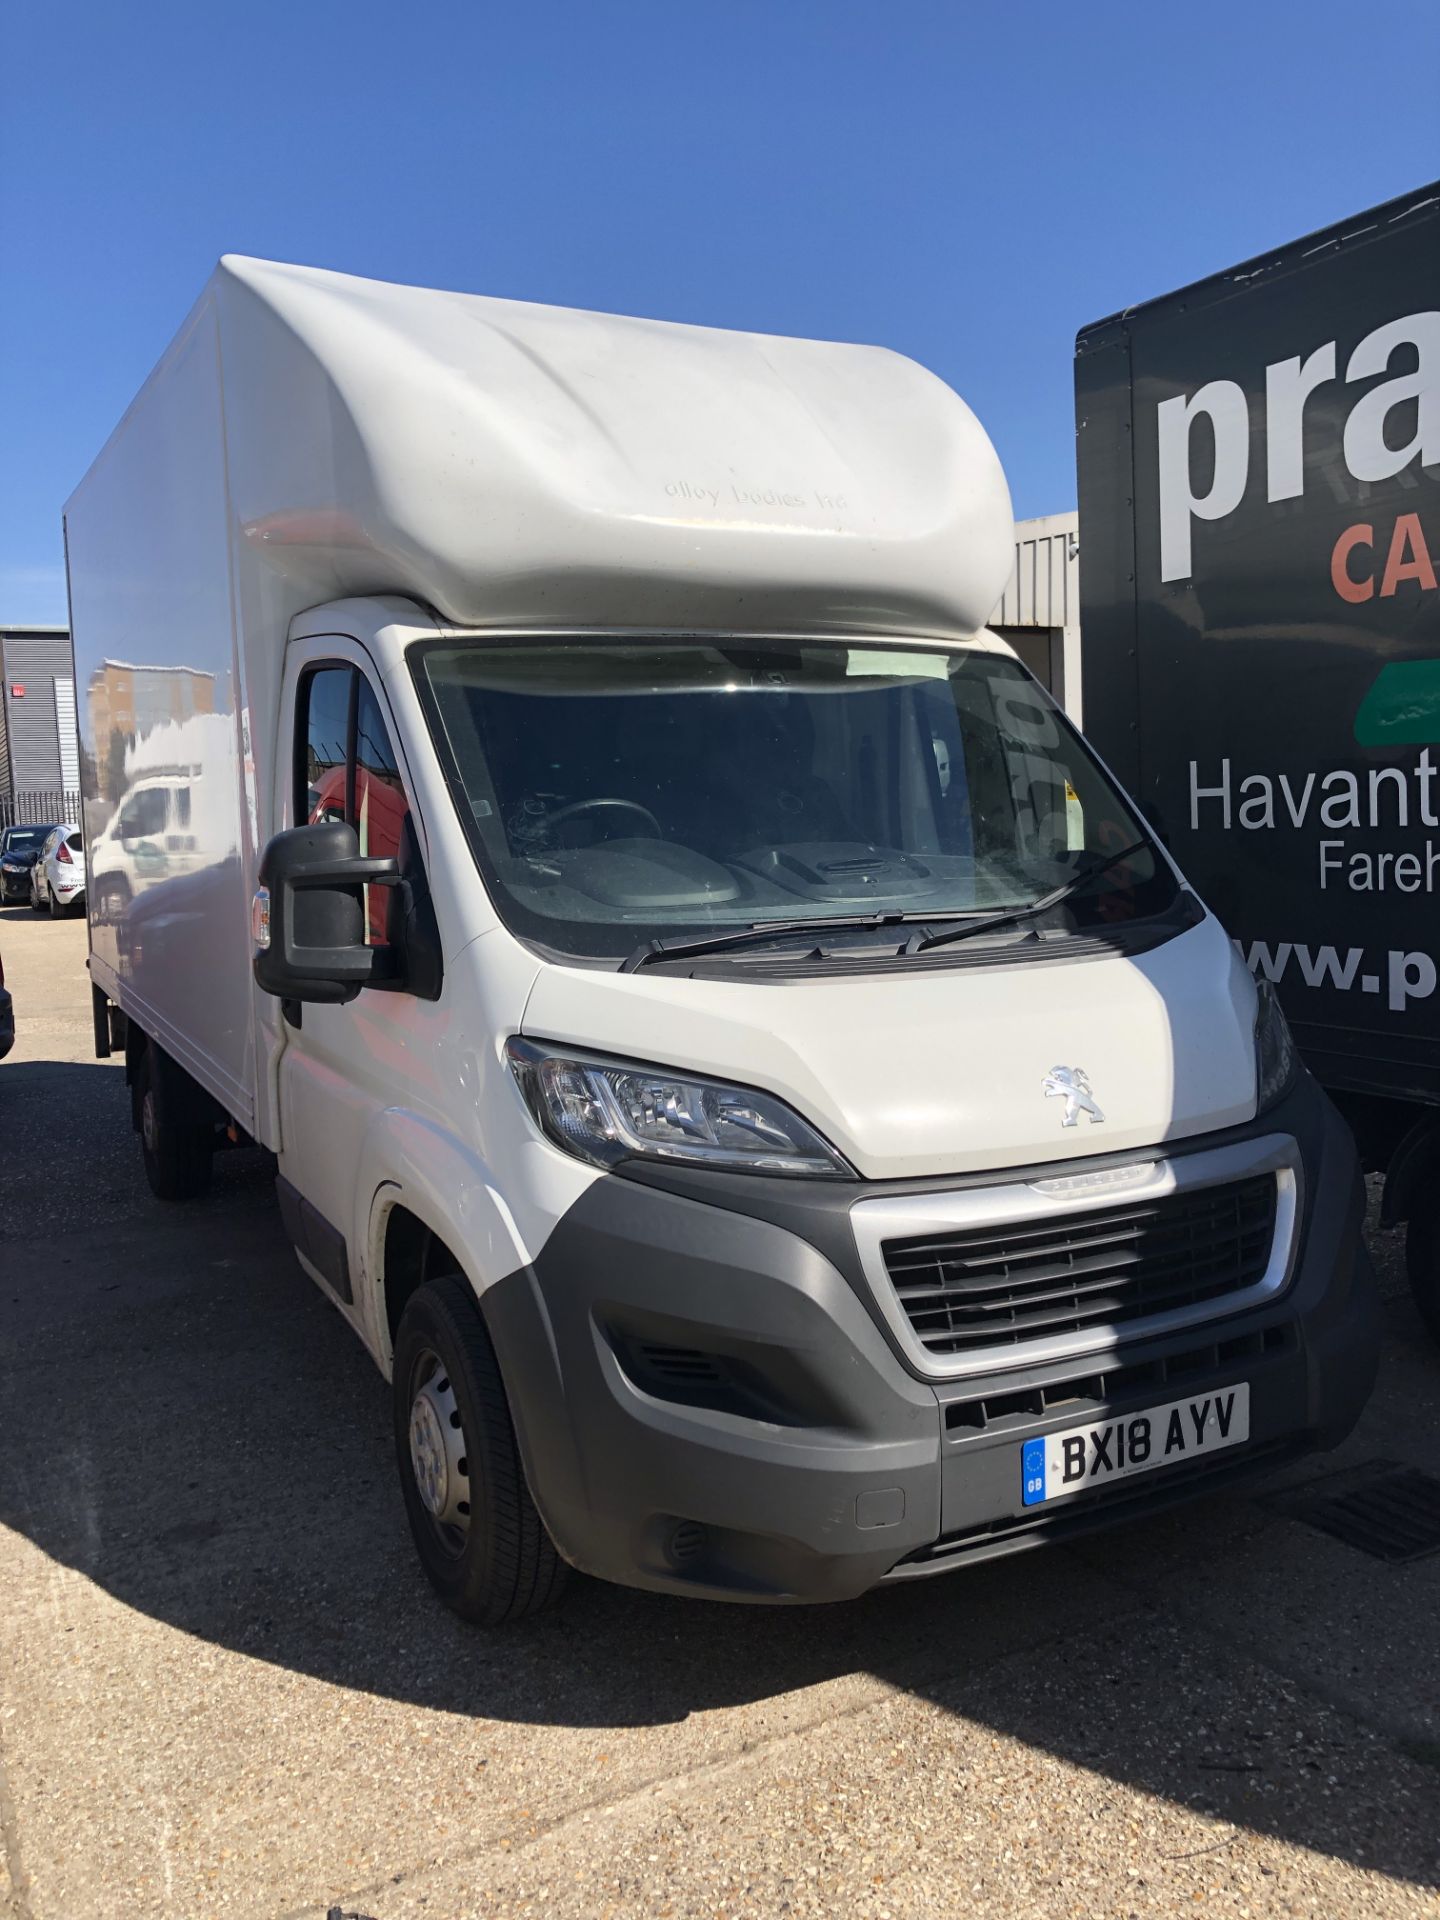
[1075, 1192]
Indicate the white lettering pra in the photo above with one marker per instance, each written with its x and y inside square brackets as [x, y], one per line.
[1372, 449]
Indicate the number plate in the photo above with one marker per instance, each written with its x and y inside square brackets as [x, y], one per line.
[1081, 1457]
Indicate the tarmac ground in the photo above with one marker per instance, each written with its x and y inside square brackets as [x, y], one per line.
[225, 1687]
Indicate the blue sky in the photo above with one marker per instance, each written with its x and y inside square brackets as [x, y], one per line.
[965, 180]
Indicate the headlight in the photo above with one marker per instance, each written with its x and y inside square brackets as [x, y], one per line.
[1277, 1060]
[605, 1111]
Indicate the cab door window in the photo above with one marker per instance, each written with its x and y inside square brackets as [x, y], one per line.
[346, 770]
[143, 815]
[380, 804]
[325, 721]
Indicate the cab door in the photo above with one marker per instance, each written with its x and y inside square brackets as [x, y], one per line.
[342, 1066]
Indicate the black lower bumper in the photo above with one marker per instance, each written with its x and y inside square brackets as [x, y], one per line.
[708, 1401]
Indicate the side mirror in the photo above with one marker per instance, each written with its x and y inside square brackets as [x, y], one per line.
[308, 916]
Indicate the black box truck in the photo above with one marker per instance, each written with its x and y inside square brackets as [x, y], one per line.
[1259, 492]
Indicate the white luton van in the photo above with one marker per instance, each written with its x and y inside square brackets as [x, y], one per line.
[734, 1056]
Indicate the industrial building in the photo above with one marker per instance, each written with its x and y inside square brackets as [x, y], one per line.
[39, 750]
[1040, 611]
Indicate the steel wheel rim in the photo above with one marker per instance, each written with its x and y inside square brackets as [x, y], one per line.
[439, 1456]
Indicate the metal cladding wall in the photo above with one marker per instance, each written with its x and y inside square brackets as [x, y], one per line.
[33, 659]
[1039, 612]
[1259, 476]
[1043, 587]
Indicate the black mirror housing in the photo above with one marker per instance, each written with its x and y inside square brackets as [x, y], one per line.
[411, 927]
[309, 915]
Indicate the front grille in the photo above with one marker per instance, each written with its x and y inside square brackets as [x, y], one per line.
[989, 1288]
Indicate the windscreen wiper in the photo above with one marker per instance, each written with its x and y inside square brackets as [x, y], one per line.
[1027, 912]
[759, 930]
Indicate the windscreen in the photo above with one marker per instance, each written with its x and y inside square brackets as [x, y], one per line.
[621, 790]
[24, 839]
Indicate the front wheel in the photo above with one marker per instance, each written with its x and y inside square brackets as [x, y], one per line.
[478, 1534]
[1422, 1260]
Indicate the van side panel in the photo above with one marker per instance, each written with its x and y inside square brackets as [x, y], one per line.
[159, 705]
[1261, 618]
[1104, 458]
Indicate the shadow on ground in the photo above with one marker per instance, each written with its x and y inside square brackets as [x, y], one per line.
[187, 1423]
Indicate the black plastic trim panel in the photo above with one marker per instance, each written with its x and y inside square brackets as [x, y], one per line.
[1128, 1501]
[322, 1244]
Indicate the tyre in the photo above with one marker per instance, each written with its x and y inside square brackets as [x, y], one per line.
[476, 1529]
[56, 910]
[1422, 1261]
[179, 1153]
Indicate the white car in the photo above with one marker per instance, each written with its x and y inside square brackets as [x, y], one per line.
[58, 875]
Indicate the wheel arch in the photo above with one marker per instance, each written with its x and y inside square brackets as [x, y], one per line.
[420, 1188]
[1417, 1155]
[412, 1252]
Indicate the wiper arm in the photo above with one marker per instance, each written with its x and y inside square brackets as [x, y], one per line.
[760, 930]
[1047, 900]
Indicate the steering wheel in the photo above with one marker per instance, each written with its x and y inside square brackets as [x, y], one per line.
[577, 807]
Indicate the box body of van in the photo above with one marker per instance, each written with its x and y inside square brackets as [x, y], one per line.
[732, 1052]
